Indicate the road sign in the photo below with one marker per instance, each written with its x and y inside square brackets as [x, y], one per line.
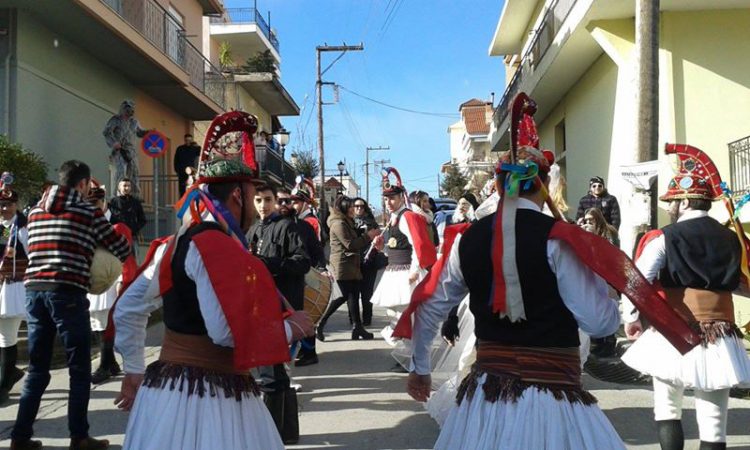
[154, 144]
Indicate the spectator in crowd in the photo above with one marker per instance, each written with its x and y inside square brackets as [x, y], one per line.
[275, 239]
[65, 225]
[593, 222]
[346, 245]
[464, 213]
[185, 156]
[420, 204]
[126, 208]
[286, 206]
[598, 197]
[365, 221]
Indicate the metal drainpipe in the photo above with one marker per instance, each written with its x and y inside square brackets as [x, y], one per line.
[11, 32]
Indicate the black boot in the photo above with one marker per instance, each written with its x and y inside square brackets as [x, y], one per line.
[366, 312]
[332, 307]
[671, 436]
[9, 373]
[712, 445]
[106, 358]
[358, 331]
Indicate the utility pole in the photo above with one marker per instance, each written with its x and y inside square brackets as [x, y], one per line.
[319, 86]
[367, 169]
[647, 54]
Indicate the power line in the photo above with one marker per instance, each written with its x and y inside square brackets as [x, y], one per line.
[425, 113]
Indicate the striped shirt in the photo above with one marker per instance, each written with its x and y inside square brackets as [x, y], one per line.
[64, 230]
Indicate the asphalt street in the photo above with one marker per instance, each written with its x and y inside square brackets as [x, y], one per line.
[350, 400]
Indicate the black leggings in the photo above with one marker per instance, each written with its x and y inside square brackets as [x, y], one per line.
[349, 295]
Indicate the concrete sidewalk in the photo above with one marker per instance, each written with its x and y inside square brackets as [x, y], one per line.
[351, 401]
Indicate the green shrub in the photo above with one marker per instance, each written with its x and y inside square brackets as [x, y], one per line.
[28, 169]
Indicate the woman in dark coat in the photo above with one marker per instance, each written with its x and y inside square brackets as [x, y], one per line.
[365, 221]
[346, 245]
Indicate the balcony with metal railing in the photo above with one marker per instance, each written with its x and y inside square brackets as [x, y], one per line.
[739, 166]
[161, 29]
[240, 16]
[543, 37]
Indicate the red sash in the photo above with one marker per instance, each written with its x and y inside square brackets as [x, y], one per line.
[423, 245]
[248, 297]
[426, 287]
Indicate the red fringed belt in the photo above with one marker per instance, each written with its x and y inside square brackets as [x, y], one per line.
[511, 370]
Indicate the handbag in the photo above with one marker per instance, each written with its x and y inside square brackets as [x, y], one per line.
[285, 413]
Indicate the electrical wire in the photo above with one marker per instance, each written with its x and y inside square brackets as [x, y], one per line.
[426, 113]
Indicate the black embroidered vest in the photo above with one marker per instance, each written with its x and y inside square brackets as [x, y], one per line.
[548, 322]
[701, 254]
[397, 245]
[181, 309]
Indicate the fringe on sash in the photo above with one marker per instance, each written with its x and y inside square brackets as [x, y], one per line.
[199, 381]
[509, 389]
[713, 330]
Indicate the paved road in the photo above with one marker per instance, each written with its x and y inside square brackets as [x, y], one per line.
[351, 401]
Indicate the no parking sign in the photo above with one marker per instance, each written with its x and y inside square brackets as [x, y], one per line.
[154, 144]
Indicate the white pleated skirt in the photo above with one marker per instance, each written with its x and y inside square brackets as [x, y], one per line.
[535, 421]
[164, 419]
[721, 365]
[13, 300]
[103, 301]
[394, 289]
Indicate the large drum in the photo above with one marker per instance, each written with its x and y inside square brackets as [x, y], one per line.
[105, 268]
[317, 294]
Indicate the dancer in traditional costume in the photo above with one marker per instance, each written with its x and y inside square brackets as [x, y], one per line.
[106, 271]
[14, 246]
[698, 262]
[530, 290]
[410, 253]
[222, 313]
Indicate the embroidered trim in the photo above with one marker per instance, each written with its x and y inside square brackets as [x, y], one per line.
[397, 267]
[509, 389]
[159, 374]
[712, 331]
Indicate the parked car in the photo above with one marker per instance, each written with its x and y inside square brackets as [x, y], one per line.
[443, 204]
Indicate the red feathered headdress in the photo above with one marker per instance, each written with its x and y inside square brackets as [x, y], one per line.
[233, 121]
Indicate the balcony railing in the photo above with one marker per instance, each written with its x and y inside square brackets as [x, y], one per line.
[154, 23]
[247, 15]
[271, 164]
[544, 35]
[739, 166]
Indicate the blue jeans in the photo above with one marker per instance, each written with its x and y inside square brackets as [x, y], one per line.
[66, 313]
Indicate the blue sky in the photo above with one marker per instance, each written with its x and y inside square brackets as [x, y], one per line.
[428, 56]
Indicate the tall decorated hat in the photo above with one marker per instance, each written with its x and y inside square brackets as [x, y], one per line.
[7, 194]
[393, 186]
[304, 190]
[697, 177]
[517, 171]
[228, 153]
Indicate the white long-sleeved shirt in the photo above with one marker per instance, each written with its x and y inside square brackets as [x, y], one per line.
[652, 261]
[142, 298]
[583, 292]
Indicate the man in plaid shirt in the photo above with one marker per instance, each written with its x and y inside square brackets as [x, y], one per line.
[64, 230]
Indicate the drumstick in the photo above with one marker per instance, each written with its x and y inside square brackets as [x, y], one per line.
[372, 245]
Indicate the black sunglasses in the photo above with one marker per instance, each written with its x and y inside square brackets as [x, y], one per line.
[284, 201]
[359, 205]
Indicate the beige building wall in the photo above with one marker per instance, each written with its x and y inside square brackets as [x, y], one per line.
[64, 98]
[153, 114]
[704, 101]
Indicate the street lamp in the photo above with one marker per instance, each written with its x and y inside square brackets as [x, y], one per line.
[341, 167]
[282, 136]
